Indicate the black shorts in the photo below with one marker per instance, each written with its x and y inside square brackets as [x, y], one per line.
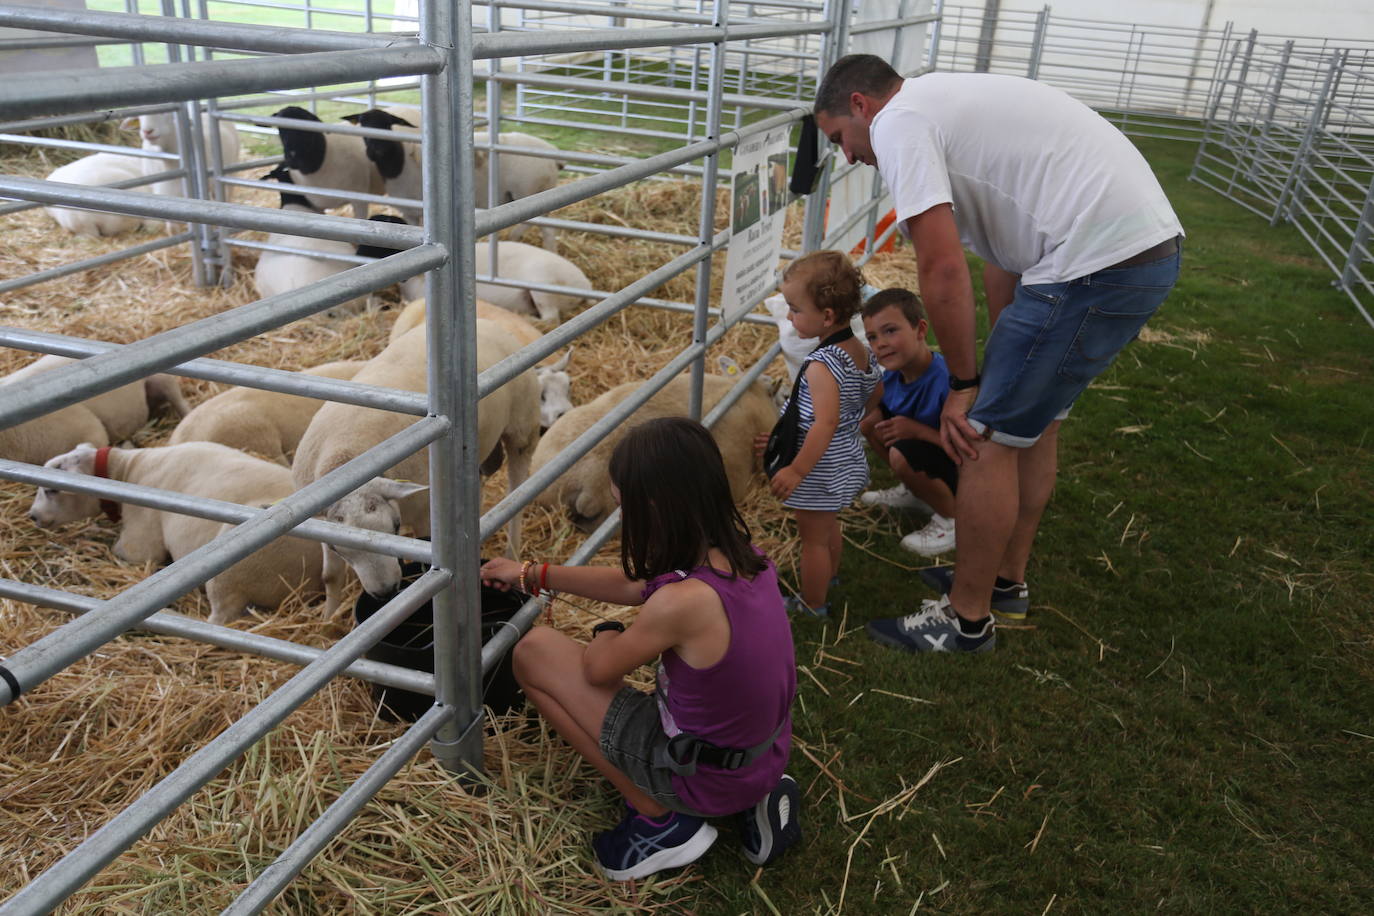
[927, 458]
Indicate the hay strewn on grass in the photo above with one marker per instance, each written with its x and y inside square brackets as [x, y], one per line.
[91, 739]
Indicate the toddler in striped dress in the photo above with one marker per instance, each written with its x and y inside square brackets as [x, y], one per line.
[823, 291]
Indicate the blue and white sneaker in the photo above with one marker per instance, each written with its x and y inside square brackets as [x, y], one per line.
[1010, 603]
[934, 628]
[772, 825]
[638, 847]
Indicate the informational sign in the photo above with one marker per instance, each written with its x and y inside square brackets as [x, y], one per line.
[758, 206]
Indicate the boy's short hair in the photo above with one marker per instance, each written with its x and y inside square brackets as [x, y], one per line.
[832, 280]
[909, 303]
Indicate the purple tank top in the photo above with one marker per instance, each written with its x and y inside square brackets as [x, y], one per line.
[739, 701]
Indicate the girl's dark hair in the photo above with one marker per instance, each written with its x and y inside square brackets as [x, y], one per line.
[675, 501]
[832, 280]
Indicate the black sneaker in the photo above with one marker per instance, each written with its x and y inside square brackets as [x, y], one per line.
[638, 847]
[934, 628]
[1010, 603]
[772, 825]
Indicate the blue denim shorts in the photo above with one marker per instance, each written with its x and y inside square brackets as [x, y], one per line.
[1055, 338]
[629, 735]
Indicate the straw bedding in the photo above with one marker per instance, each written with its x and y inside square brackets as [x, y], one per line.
[91, 739]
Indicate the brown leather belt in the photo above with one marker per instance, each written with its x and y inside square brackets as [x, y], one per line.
[1162, 250]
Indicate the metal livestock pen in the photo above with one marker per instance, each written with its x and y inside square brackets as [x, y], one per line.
[251, 64]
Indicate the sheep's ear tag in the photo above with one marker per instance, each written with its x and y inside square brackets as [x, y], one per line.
[732, 370]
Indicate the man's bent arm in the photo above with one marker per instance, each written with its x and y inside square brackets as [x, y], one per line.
[946, 288]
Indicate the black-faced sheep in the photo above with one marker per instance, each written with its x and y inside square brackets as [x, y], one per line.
[333, 161]
[262, 579]
[282, 271]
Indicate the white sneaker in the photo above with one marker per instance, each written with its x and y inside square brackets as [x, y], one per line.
[935, 538]
[898, 497]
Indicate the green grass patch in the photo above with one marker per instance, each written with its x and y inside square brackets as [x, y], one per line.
[1186, 725]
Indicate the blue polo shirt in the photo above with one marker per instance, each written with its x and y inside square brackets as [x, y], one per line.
[923, 398]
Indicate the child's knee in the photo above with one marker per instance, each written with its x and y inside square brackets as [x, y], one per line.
[896, 460]
[531, 654]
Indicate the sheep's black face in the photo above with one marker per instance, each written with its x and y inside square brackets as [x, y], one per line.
[388, 155]
[302, 150]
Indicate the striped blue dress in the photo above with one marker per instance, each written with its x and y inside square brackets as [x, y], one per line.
[842, 472]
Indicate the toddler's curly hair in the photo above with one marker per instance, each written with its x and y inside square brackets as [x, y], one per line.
[831, 279]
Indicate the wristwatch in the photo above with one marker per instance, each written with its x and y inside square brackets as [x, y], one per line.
[605, 625]
[959, 384]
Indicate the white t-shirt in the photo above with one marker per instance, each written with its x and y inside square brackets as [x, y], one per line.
[1041, 184]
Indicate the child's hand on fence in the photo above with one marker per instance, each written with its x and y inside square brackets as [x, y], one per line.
[784, 482]
[501, 573]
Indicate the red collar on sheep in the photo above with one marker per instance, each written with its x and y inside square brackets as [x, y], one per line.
[102, 467]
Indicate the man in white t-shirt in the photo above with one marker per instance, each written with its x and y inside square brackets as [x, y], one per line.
[1081, 247]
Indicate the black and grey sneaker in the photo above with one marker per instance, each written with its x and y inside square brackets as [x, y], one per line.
[772, 825]
[638, 847]
[1010, 603]
[934, 628]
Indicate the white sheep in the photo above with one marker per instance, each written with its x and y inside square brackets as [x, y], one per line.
[517, 176]
[37, 440]
[159, 132]
[555, 384]
[518, 261]
[335, 161]
[281, 271]
[93, 171]
[120, 412]
[507, 421]
[584, 490]
[262, 579]
[267, 423]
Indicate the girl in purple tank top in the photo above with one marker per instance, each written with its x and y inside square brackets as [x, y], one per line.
[714, 736]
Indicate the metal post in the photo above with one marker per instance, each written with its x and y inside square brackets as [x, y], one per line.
[936, 29]
[1280, 74]
[707, 222]
[1358, 244]
[455, 497]
[1214, 93]
[986, 35]
[1042, 23]
[833, 46]
[1314, 124]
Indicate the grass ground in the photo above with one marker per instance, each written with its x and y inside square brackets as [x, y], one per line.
[1187, 723]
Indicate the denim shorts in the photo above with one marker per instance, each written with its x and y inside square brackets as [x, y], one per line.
[1055, 338]
[629, 734]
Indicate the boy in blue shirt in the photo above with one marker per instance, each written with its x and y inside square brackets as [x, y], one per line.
[902, 420]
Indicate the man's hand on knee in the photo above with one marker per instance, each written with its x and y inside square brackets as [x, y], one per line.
[957, 435]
